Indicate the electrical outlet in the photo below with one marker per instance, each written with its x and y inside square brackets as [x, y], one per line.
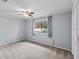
[53, 42]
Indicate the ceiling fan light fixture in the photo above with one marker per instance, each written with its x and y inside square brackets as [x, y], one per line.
[26, 15]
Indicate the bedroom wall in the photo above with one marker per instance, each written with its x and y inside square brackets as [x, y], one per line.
[61, 29]
[11, 30]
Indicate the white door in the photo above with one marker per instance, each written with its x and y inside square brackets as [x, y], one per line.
[75, 29]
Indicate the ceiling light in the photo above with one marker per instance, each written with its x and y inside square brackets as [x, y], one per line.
[25, 15]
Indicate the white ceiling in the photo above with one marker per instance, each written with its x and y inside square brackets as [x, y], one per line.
[40, 7]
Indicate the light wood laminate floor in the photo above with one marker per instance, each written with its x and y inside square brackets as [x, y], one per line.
[27, 50]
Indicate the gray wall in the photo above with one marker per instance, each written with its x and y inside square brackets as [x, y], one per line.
[11, 30]
[61, 29]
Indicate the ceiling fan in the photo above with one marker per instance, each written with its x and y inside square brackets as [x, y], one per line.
[26, 13]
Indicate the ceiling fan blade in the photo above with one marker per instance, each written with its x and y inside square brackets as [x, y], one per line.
[31, 12]
[30, 15]
[23, 11]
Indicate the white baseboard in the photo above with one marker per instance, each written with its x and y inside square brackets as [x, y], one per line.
[50, 45]
[63, 48]
[6, 43]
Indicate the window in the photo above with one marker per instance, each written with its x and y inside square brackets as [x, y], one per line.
[40, 26]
